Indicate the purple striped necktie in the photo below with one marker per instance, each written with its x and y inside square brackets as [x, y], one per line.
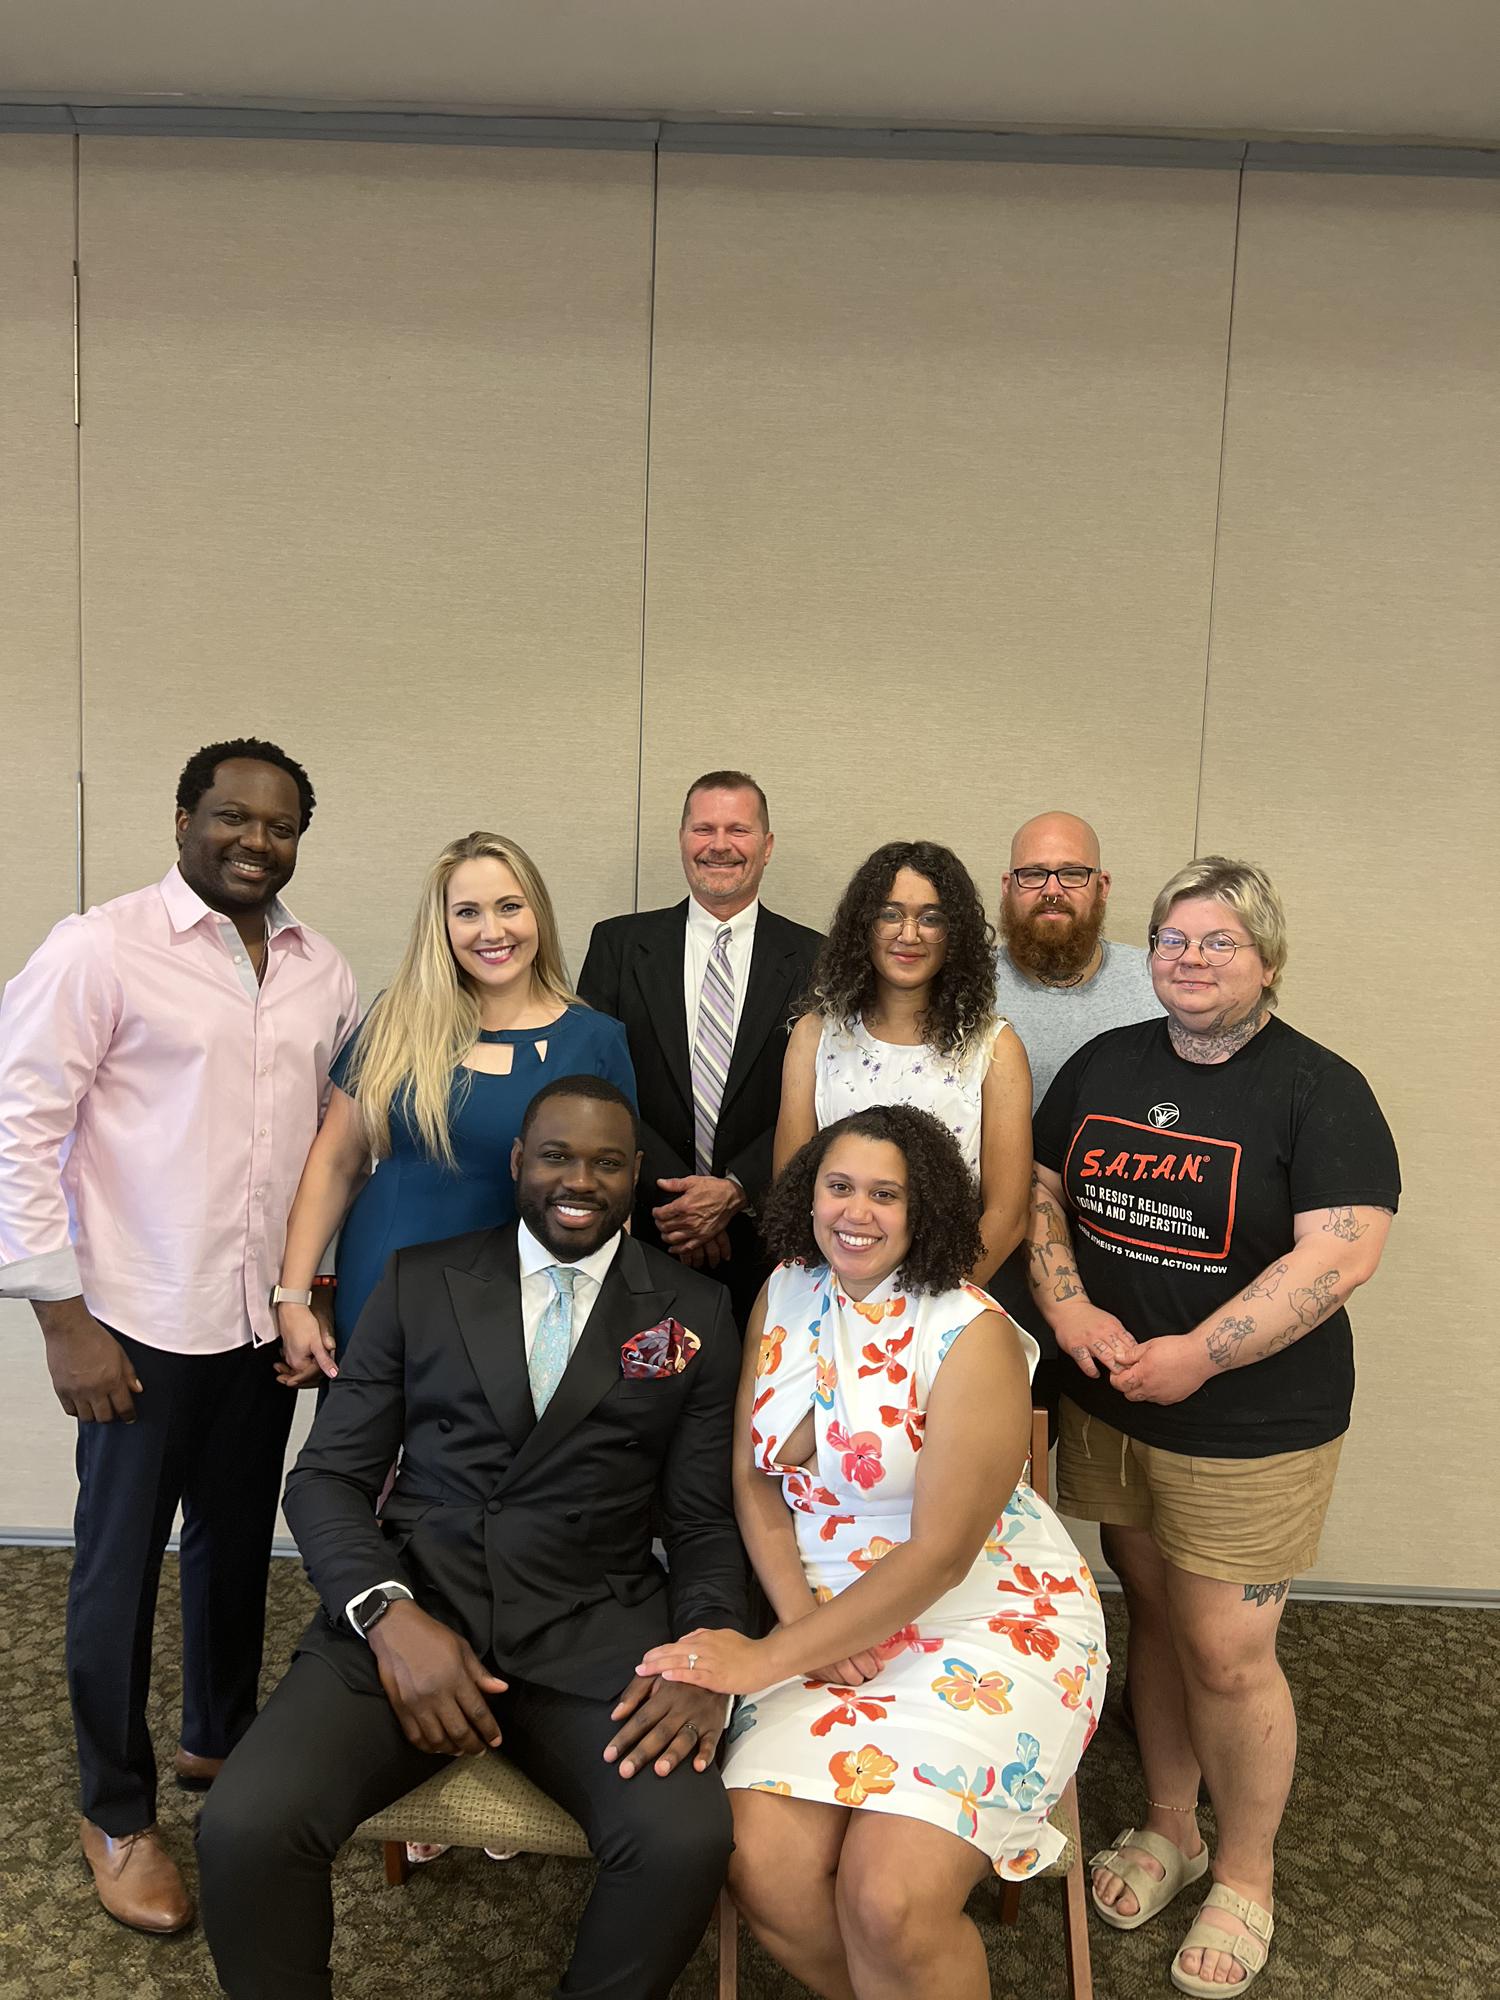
[713, 1044]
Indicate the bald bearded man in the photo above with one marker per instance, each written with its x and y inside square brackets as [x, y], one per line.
[1058, 981]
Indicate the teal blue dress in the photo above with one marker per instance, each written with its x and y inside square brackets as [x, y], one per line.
[413, 1198]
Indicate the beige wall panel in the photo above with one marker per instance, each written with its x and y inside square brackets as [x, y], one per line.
[38, 695]
[38, 542]
[934, 451]
[1352, 737]
[363, 471]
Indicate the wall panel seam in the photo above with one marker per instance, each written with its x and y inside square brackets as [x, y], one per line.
[1213, 566]
[640, 739]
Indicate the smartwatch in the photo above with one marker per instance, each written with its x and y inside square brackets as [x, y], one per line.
[280, 1296]
[373, 1606]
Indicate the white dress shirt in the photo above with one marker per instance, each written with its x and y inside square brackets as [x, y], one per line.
[537, 1289]
[537, 1292]
[702, 928]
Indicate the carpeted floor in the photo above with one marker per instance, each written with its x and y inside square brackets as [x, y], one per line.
[1387, 1886]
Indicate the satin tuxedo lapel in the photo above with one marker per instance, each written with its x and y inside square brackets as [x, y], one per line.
[626, 1304]
[486, 1302]
[769, 999]
[658, 975]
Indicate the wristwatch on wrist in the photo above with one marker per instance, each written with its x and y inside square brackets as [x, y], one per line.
[373, 1606]
[280, 1296]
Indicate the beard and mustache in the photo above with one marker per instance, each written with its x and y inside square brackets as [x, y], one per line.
[1048, 949]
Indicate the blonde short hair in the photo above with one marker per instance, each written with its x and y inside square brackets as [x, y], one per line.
[1243, 888]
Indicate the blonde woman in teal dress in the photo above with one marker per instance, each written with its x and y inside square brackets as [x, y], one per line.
[434, 1085]
[939, 1662]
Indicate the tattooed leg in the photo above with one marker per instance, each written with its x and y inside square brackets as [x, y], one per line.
[1244, 1730]
[1267, 1593]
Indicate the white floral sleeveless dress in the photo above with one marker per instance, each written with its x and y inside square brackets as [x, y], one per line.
[983, 1707]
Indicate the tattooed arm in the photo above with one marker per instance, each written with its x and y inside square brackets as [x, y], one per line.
[1335, 1251]
[1084, 1332]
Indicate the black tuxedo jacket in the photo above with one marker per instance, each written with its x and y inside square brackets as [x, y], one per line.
[530, 1537]
[634, 971]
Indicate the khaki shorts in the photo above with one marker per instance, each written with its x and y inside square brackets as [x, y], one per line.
[1240, 1520]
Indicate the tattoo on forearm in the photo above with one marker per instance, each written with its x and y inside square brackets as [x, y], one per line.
[1267, 1593]
[1311, 1305]
[1227, 1338]
[1267, 1284]
[1315, 1301]
[1054, 1243]
[1341, 1223]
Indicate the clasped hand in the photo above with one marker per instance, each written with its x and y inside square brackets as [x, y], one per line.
[1165, 1370]
[307, 1343]
[693, 1223]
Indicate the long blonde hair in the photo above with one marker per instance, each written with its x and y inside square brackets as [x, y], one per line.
[426, 1021]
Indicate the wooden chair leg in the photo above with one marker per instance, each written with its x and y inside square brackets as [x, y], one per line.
[729, 1947]
[1010, 1902]
[397, 1867]
[1076, 1909]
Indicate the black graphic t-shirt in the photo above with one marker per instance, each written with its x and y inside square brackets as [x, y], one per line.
[1182, 1181]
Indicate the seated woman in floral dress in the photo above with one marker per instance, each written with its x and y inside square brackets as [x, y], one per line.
[939, 1661]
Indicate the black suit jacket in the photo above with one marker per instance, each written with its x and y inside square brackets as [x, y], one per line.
[634, 971]
[531, 1538]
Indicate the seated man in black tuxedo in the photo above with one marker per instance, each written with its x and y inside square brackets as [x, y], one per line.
[552, 1384]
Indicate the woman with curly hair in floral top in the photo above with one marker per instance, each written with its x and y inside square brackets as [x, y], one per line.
[939, 1659]
[902, 1011]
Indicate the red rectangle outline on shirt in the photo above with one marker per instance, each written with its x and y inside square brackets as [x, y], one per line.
[1150, 1242]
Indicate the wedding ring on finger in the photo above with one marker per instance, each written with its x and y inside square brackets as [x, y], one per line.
[692, 1662]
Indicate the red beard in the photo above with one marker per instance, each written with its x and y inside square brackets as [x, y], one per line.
[1048, 949]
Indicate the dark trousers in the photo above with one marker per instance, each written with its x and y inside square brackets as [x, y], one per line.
[323, 1756]
[210, 1433]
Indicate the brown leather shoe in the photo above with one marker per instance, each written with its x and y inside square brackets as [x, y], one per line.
[195, 1774]
[138, 1881]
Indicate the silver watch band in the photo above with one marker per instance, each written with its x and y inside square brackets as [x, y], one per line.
[280, 1296]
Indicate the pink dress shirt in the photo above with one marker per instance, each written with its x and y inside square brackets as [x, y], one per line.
[156, 1110]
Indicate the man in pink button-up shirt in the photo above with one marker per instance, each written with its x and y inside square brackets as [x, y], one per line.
[163, 1068]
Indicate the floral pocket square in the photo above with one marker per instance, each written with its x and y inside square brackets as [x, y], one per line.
[662, 1350]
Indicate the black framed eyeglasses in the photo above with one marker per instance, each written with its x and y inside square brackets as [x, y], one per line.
[890, 922]
[1072, 875]
[1218, 947]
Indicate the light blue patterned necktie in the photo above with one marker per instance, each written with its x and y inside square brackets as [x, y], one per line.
[554, 1337]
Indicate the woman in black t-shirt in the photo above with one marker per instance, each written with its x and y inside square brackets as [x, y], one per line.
[1209, 1189]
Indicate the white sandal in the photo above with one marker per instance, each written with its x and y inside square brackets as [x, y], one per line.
[1250, 1952]
[1152, 1895]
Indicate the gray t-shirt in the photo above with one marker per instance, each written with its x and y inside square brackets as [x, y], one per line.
[1053, 1021]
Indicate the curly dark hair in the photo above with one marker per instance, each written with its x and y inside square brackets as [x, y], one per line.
[961, 1004]
[198, 772]
[942, 1196]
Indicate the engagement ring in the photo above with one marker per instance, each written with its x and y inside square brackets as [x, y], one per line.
[692, 1662]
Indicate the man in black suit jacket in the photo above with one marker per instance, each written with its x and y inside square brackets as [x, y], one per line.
[508, 1588]
[707, 1165]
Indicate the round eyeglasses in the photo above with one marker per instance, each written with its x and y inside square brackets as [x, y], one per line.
[1218, 947]
[1072, 875]
[890, 922]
